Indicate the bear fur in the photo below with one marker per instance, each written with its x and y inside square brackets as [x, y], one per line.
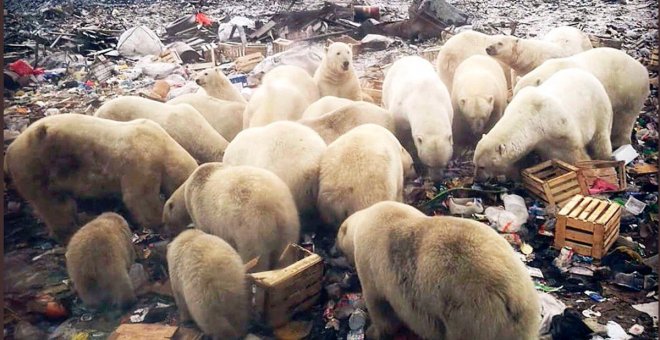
[325, 105]
[336, 75]
[288, 149]
[422, 109]
[335, 123]
[216, 84]
[364, 166]
[626, 82]
[442, 277]
[250, 208]
[226, 117]
[285, 93]
[187, 126]
[478, 99]
[60, 158]
[460, 47]
[98, 259]
[208, 284]
[568, 117]
[524, 55]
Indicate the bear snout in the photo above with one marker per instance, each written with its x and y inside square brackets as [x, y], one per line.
[199, 82]
[345, 65]
[490, 50]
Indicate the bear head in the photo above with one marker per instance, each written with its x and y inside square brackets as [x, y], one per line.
[339, 57]
[476, 111]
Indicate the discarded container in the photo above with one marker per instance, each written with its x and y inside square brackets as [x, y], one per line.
[634, 206]
[516, 205]
[595, 296]
[563, 260]
[357, 320]
[625, 153]
[636, 329]
[504, 221]
[588, 225]
[465, 206]
[554, 182]
[289, 290]
[613, 172]
[366, 12]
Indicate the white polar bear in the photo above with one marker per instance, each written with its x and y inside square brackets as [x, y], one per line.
[479, 97]
[337, 122]
[441, 277]
[225, 116]
[214, 83]
[364, 166]
[325, 105]
[460, 47]
[625, 79]
[568, 117]
[182, 122]
[288, 149]
[524, 55]
[336, 75]
[285, 93]
[422, 109]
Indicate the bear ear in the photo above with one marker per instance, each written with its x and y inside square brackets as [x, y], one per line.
[501, 149]
[419, 139]
[538, 82]
[490, 99]
[483, 135]
[517, 40]
[461, 102]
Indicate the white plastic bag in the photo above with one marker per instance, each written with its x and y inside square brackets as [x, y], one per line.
[139, 41]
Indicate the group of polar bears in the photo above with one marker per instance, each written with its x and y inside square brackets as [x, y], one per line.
[249, 174]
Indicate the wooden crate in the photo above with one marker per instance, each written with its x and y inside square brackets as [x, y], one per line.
[279, 294]
[281, 45]
[611, 171]
[588, 225]
[372, 90]
[431, 54]
[602, 41]
[554, 182]
[233, 50]
[354, 44]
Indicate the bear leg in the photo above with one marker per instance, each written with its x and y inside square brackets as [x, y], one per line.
[58, 212]
[622, 127]
[601, 146]
[384, 322]
[123, 292]
[141, 195]
[184, 314]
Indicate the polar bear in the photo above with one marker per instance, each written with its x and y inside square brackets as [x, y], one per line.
[626, 82]
[422, 109]
[337, 122]
[208, 284]
[105, 242]
[59, 159]
[250, 208]
[187, 126]
[460, 47]
[325, 105]
[524, 55]
[215, 84]
[288, 149]
[478, 99]
[285, 93]
[336, 75]
[360, 168]
[226, 117]
[568, 117]
[441, 277]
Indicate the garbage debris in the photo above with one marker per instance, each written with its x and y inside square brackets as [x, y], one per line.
[616, 332]
[138, 42]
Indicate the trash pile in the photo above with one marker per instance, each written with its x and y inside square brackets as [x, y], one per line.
[71, 56]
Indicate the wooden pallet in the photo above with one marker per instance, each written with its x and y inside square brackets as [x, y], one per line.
[588, 225]
[279, 294]
[611, 171]
[554, 182]
[281, 45]
[602, 41]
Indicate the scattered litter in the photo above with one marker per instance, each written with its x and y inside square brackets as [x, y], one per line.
[595, 296]
[616, 332]
[651, 309]
[634, 206]
[636, 329]
[625, 153]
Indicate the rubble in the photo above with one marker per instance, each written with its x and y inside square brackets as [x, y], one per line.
[69, 57]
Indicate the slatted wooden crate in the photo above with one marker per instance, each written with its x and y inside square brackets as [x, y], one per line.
[279, 294]
[354, 44]
[604, 41]
[281, 45]
[431, 54]
[233, 50]
[610, 171]
[588, 225]
[554, 182]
